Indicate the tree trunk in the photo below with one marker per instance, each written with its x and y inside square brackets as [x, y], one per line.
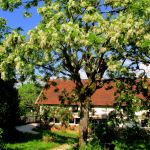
[84, 120]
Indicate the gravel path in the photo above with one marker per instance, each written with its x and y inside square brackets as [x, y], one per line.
[62, 147]
[27, 128]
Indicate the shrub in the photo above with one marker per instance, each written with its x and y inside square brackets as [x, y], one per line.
[2, 145]
[92, 144]
[119, 145]
[9, 106]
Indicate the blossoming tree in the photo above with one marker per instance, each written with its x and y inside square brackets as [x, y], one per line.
[102, 38]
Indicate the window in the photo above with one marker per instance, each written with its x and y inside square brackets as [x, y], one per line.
[98, 121]
[56, 120]
[77, 120]
[75, 108]
[144, 123]
[71, 120]
[51, 120]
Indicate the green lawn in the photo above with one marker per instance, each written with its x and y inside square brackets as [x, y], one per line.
[45, 140]
[32, 145]
[132, 139]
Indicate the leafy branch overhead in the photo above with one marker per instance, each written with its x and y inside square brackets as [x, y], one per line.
[79, 29]
[104, 38]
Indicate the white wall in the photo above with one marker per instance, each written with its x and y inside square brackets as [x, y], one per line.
[101, 111]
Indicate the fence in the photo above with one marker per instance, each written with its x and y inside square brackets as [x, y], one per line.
[30, 119]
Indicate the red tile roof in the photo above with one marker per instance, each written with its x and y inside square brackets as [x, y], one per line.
[102, 96]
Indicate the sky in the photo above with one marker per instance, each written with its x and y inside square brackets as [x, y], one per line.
[16, 19]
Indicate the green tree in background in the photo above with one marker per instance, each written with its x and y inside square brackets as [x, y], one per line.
[28, 94]
[100, 37]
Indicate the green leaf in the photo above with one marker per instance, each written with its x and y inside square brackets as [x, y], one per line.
[27, 14]
[146, 43]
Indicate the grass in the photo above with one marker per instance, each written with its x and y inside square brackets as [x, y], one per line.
[66, 134]
[131, 139]
[32, 145]
[43, 141]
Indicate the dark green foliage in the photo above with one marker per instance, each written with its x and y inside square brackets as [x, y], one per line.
[104, 131]
[132, 138]
[2, 145]
[122, 138]
[8, 106]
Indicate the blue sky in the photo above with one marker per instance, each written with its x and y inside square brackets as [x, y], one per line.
[16, 19]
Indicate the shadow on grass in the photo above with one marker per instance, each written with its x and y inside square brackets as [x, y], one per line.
[23, 141]
[19, 137]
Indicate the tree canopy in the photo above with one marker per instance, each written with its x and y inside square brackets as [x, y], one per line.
[109, 38]
[103, 38]
[28, 93]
